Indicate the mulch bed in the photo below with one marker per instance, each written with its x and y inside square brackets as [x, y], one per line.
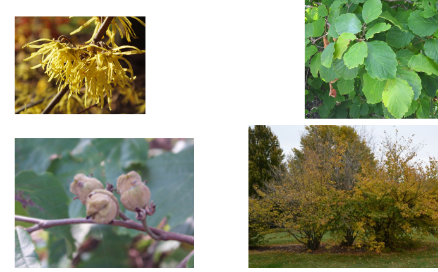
[298, 248]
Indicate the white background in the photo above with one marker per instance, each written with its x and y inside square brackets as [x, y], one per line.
[213, 68]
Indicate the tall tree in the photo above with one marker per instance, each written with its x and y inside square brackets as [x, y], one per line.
[264, 156]
[340, 141]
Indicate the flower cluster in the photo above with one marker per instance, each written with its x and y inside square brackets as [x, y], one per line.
[96, 67]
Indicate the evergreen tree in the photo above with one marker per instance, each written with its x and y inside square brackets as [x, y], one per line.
[264, 154]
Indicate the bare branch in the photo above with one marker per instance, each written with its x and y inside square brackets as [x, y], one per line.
[45, 224]
[22, 108]
[55, 101]
[102, 29]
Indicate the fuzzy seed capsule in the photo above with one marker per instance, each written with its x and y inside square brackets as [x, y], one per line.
[82, 186]
[133, 192]
[102, 206]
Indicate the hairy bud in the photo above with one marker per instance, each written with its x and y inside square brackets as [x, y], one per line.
[133, 192]
[102, 206]
[82, 186]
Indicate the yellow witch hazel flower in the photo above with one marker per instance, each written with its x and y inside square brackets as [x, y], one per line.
[95, 66]
[112, 30]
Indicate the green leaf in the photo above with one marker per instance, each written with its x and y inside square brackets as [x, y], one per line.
[312, 14]
[309, 30]
[371, 10]
[345, 86]
[318, 27]
[364, 109]
[430, 8]
[348, 23]
[387, 16]
[337, 3]
[327, 74]
[57, 248]
[397, 38]
[36, 154]
[315, 63]
[431, 49]
[323, 111]
[403, 56]
[356, 55]
[310, 50]
[412, 108]
[402, 16]
[422, 26]
[386, 113]
[412, 78]
[329, 101]
[332, 32]
[171, 177]
[397, 96]
[380, 27]
[373, 89]
[355, 110]
[322, 10]
[343, 72]
[25, 255]
[47, 199]
[327, 55]
[423, 108]
[342, 44]
[421, 63]
[112, 249]
[315, 82]
[430, 84]
[341, 111]
[378, 109]
[380, 62]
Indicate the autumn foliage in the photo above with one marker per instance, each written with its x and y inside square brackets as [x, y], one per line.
[335, 183]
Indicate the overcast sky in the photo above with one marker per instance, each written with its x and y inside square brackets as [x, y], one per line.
[289, 137]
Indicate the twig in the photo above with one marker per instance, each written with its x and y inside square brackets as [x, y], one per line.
[84, 110]
[375, 115]
[45, 224]
[148, 230]
[148, 260]
[102, 29]
[55, 101]
[123, 216]
[183, 263]
[22, 108]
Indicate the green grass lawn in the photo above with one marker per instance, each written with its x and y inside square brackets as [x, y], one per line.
[424, 256]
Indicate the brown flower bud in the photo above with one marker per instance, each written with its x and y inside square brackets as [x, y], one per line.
[82, 186]
[102, 206]
[133, 192]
